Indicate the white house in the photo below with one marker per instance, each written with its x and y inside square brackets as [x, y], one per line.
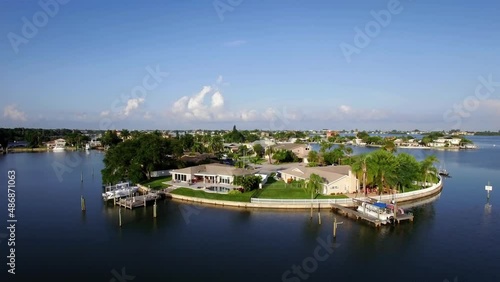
[209, 174]
[336, 179]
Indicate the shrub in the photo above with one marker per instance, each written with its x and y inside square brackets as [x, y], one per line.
[234, 192]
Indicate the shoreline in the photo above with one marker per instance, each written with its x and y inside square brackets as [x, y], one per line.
[299, 204]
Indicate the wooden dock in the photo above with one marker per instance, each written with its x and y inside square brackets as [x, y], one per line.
[377, 222]
[137, 201]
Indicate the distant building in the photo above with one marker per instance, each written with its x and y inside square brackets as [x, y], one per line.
[331, 133]
[300, 150]
[336, 179]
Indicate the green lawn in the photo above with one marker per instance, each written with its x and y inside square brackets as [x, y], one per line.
[244, 197]
[280, 190]
[156, 183]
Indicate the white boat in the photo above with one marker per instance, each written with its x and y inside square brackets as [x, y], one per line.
[378, 210]
[87, 147]
[58, 149]
[118, 191]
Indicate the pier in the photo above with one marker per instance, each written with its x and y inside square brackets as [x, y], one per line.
[137, 201]
[377, 222]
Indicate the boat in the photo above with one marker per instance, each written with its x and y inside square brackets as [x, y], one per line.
[444, 172]
[379, 210]
[87, 147]
[119, 190]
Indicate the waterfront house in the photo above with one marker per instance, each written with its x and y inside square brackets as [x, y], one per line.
[300, 150]
[58, 143]
[209, 173]
[336, 179]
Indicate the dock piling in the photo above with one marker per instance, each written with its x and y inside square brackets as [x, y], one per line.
[319, 214]
[154, 210]
[82, 203]
[120, 216]
[335, 223]
[81, 176]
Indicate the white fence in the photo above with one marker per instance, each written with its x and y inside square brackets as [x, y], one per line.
[301, 201]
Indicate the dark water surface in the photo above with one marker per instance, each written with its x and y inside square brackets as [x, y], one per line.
[454, 238]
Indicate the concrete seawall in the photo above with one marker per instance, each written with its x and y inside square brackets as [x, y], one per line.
[306, 204]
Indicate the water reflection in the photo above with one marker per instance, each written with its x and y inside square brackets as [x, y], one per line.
[487, 208]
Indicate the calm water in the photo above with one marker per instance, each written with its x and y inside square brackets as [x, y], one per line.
[456, 236]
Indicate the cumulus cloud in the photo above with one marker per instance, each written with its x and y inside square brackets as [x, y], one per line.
[132, 104]
[13, 113]
[196, 108]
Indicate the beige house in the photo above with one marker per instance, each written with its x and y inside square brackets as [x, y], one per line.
[336, 179]
[300, 150]
[209, 174]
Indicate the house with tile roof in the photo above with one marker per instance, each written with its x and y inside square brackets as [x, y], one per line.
[336, 179]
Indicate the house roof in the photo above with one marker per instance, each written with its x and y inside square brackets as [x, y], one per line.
[328, 173]
[215, 169]
[288, 146]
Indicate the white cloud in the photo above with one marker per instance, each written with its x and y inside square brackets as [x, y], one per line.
[104, 113]
[235, 43]
[11, 112]
[147, 115]
[132, 104]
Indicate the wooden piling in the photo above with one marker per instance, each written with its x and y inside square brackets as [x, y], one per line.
[82, 203]
[81, 176]
[154, 210]
[319, 214]
[120, 216]
[334, 227]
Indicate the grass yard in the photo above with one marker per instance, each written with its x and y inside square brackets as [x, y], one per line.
[243, 197]
[280, 190]
[156, 183]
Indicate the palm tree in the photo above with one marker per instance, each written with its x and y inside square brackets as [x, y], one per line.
[325, 146]
[215, 144]
[383, 164]
[269, 153]
[313, 187]
[360, 166]
[427, 165]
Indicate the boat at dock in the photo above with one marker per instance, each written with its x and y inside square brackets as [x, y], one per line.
[119, 190]
[386, 213]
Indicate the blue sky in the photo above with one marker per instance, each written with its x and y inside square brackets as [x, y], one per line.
[257, 64]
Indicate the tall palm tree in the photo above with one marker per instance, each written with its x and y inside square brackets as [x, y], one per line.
[313, 187]
[325, 146]
[383, 164]
[360, 166]
[427, 166]
[269, 153]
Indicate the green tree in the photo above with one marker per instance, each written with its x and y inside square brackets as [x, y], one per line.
[269, 153]
[125, 134]
[383, 164]
[360, 166]
[313, 156]
[313, 187]
[389, 146]
[259, 150]
[407, 170]
[248, 182]
[427, 167]
[110, 138]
